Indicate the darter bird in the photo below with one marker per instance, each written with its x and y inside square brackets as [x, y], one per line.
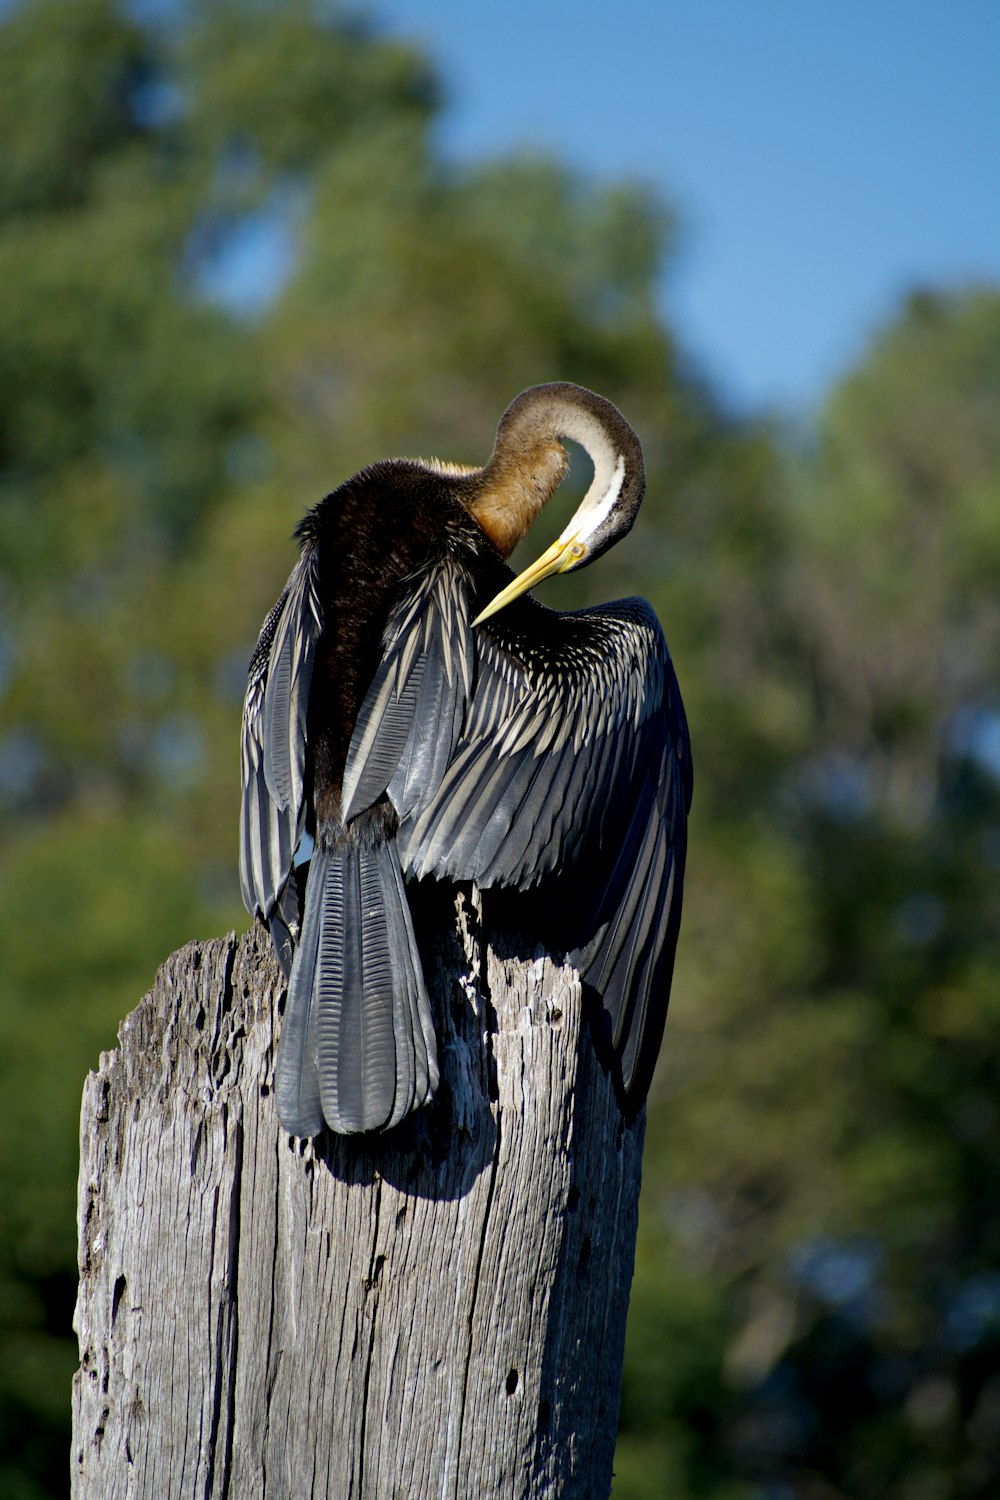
[417, 713]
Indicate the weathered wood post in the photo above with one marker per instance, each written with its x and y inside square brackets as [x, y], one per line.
[436, 1312]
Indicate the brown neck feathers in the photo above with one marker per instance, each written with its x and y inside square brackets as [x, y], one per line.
[514, 486]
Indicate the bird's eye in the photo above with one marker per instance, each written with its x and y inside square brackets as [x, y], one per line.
[577, 549]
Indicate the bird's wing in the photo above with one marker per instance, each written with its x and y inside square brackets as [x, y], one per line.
[273, 747]
[541, 745]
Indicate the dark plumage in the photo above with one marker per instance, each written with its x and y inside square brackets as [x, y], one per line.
[412, 736]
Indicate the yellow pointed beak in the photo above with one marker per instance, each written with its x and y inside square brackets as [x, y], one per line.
[564, 554]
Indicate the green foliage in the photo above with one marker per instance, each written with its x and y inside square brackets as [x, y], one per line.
[823, 1142]
[59, 122]
[816, 1309]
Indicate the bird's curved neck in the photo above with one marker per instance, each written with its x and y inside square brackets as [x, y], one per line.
[529, 462]
[514, 488]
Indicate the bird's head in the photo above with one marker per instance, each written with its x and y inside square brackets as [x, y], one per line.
[533, 424]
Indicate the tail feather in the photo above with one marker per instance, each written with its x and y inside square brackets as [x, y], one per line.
[357, 1047]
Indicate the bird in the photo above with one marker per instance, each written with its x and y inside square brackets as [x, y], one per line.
[414, 711]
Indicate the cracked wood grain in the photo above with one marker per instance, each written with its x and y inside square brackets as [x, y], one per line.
[438, 1312]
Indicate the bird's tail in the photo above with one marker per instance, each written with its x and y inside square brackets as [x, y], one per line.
[357, 1047]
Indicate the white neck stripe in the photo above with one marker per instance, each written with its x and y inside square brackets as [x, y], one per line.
[593, 513]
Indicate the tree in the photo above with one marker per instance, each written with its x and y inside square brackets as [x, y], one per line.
[160, 436]
[821, 1172]
[825, 1145]
[439, 1309]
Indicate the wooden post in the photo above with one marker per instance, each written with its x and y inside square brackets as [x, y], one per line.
[435, 1312]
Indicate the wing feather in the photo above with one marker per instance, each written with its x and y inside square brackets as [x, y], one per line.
[409, 722]
[539, 744]
[273, 743]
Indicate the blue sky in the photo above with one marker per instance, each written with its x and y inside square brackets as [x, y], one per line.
[824, 155]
